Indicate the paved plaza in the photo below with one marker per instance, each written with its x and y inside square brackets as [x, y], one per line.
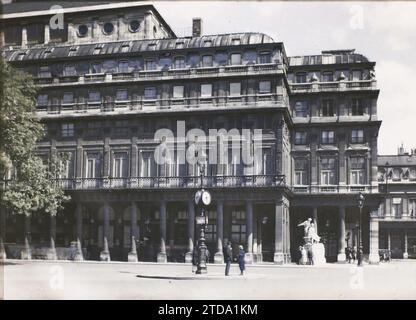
[93, 280]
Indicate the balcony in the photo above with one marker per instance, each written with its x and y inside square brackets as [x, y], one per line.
[247, 181]
[174, 104]
[169, 74]
[331, 189]
[333, 86]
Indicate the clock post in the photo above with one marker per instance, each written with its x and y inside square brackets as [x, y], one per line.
[202, 199]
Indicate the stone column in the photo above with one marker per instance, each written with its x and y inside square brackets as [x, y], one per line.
[171, 220]
[315, 218]
[219, 255]
[51, 255]
[278, 233]
[161, 256]
[26, 253]
[134, 232]
[78, 219]
[3, 223]
[405, 253]
[249, 232]
[389, 239]
[28, 221]
[24, 37]
[47, 34]
[287, 228]
[341, 235]
[260, 240]
[132, 255]
[255, 237]
[191, 231]
[374, 257]
[105, 253]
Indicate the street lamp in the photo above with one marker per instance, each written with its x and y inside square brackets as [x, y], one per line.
[202, 199]
[360, 249]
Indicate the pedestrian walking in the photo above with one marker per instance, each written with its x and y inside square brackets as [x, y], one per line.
[241, 262]
[228, 255]
[354, 254]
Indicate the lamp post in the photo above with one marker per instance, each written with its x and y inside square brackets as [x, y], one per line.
[202, 199]
[360, 249]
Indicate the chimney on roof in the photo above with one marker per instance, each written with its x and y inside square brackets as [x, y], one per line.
[401, 150]
[196, 27]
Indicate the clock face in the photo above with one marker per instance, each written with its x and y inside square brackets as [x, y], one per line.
[198, 197]
[206, 198]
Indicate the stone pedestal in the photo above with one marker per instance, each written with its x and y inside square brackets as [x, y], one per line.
[132, 255]
[318, 254]
[162, 257]
[188, 257]
[405, 255]
[2, 250]
[259, 257]
[248, 258]
[278, 258]
[51, 255]
[373, 258]
[341, 257]
[105, 254]
[218, 258]
[78, 252]
[26, 254]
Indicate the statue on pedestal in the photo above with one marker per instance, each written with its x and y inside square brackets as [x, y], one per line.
[314, 249]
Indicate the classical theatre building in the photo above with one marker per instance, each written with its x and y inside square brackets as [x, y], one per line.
[112, 75]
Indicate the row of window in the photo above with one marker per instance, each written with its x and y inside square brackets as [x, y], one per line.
[330, 76]
[328, 109]
[328, 171]
[108, 28]
[126, 66]
[328, 137]
[178, 92]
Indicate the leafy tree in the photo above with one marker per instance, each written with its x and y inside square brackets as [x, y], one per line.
[34, 186]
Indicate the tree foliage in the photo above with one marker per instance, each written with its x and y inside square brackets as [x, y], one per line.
[34, 186]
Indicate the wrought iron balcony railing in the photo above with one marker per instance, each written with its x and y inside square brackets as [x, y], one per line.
[257, 100]
[168, 74]
[167, 182]
[333, 86]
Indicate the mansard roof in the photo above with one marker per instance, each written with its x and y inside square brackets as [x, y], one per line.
[135, 46]
[397, 160]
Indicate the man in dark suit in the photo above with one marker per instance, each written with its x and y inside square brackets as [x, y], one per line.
[228, 257]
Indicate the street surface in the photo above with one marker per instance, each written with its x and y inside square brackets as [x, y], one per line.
[112, 280]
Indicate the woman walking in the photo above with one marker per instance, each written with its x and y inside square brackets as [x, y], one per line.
[241, 262]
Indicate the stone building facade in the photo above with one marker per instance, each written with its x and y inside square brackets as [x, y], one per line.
[116, 74]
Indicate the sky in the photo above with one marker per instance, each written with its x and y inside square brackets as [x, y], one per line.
[385, 32]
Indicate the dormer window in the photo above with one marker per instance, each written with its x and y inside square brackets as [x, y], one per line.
[125, 48]
[207, 43]
[236, 41]
[179, 45]
[151, 46]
